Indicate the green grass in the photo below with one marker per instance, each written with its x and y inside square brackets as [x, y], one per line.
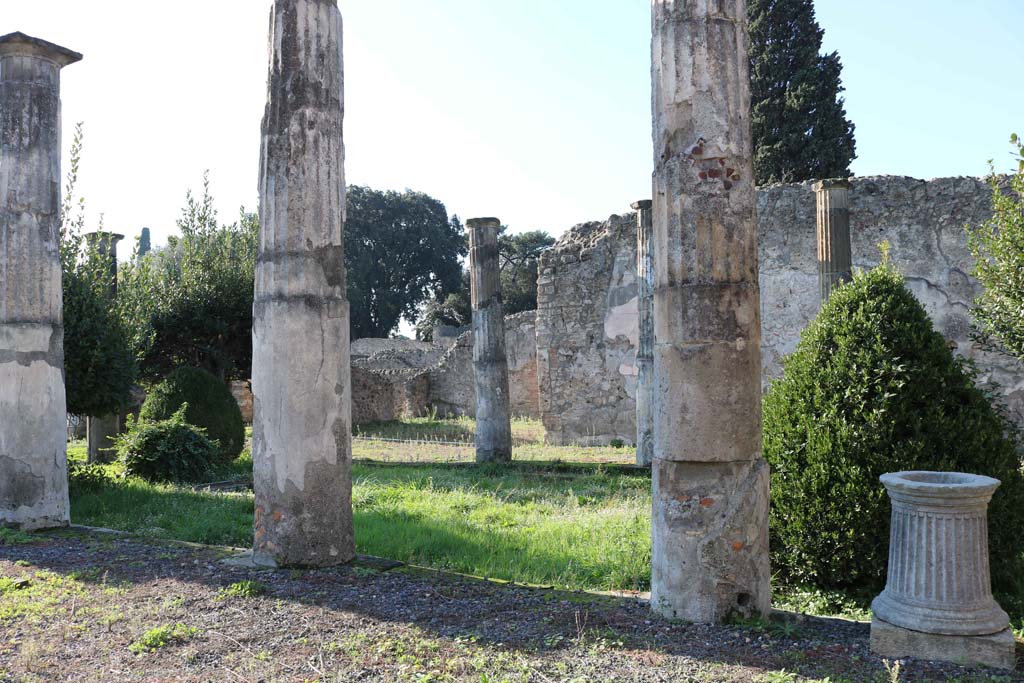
[582, 528]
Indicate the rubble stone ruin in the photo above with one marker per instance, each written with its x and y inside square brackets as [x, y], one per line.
[710, 485]
[33, 416]
[101, 430]
[302, 461]
[835, 257]
[645, 335]
[490, 364]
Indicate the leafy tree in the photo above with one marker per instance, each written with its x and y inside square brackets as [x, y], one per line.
[998, 250]
[519, 255]
[99, 366]
[799, 124]
[191, 302]
[873, 388]
[401, 249]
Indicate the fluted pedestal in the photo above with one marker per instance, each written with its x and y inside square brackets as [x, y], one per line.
[938, 582]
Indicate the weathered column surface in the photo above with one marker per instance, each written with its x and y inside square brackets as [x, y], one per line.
[100, 431]
[302, 458]
[33, 417]
[937, 602]
[645, 347]
[710, 484]
[490, 365]
[835, 259]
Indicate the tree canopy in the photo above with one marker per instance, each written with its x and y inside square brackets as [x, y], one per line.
[401, 249]
[99, 367]
[190, 302]
[998, 250]
[798, 118]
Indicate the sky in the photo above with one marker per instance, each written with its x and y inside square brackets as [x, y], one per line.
[534, 111]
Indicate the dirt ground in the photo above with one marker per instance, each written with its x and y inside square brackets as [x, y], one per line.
[79, 606]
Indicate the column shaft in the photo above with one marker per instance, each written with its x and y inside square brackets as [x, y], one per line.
[33, 417]
[301, 377]
[493, 424]
[710, 485]
[835, 259]
[645, 347]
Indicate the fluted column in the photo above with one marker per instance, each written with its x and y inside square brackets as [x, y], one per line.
[645, 346]
[835, 260]
[33, 414]
[709, 551]
[490, 364]
[302, 458]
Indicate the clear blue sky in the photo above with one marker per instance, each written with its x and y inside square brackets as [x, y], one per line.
[536, 111]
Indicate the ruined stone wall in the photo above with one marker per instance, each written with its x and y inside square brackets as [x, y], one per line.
[586, 323]
[587, 333]
[395, 379]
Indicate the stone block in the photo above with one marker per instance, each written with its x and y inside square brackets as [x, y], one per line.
[997, 650]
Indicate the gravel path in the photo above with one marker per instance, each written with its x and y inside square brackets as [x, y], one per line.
[77, 607]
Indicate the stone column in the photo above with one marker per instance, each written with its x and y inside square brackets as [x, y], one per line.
[33, 415]
[302, 460]
[710, 485]
[937, 602]
[645, 347]
[490, 365]
[100, 431]
[835, 260]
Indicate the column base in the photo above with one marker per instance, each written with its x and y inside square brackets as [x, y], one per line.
[997, 650]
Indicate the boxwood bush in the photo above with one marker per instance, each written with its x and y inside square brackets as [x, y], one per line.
[169, 450]
[210, 406]
[870, 389]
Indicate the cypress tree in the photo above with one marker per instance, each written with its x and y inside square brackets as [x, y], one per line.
[800, 127]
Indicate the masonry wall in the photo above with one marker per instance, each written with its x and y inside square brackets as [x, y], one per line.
[586, 321]
[395, 379]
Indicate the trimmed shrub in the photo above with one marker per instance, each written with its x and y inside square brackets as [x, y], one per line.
[167, 451]
[870, 389]
[210, 406]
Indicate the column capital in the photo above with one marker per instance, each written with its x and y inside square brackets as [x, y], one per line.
[832, 184]
[20, 45]
[483, 223]
[642, 205]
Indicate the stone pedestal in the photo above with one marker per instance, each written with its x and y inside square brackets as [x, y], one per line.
[835, 259]
[938, 578]
[710, 485]
[33, 416]
[302, 463]
[490, 364]
[645, 346]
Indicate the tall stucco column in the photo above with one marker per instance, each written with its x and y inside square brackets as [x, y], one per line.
[835, 260]
[645, 346]
[490, 364]
[710, 483]
[100, 431]
[302, 460]
[33, 416]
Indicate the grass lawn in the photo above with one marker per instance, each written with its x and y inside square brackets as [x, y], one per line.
[568, 517]
[562, 522]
